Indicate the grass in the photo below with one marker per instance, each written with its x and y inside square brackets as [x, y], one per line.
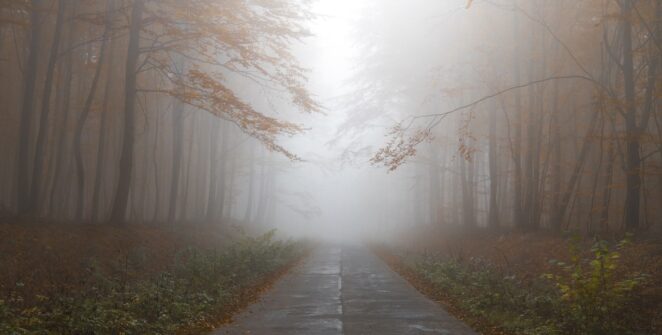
[188, 289]
[589, 291]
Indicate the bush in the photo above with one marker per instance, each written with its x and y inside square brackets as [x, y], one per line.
[595, 299]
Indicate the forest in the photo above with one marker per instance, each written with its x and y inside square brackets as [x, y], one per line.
[330, 166]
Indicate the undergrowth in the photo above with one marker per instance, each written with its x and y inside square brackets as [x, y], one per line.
[587, 295]
[198, 287]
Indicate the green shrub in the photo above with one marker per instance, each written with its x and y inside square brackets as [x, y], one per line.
[596, 300]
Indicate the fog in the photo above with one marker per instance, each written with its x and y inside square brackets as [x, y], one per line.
[305, 166]
[348, 199]
[334, 119]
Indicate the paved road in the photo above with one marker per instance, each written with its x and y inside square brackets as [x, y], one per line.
[344, 290]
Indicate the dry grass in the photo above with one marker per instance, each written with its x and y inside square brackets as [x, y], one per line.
[523, 254]
[48, 259]
[527, 256]
[42, 261]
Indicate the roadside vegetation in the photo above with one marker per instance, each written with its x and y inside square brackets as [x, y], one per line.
[155, 282]
[592, 287]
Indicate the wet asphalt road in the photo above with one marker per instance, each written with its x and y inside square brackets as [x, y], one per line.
[344, 290]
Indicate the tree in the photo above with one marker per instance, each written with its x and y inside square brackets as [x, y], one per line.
[121, 198]
[80, 169]
[187, 30]
[27, 110]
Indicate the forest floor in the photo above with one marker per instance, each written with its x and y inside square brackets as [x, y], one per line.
[71, 278]
[515, 283]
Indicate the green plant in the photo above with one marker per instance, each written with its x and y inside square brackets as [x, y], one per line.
[595, 299]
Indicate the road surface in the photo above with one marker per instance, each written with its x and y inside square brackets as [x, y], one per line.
[344, 290]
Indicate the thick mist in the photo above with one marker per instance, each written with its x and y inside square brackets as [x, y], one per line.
[348, 197]
[331, 167]
[333, 119]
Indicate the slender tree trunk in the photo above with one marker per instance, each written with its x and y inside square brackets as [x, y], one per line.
[187, 171]
[434, 187]
[120, 201]
[144, 189]
[27, 108]
[177, 124]
[532, 159]
[155, 167]
[103, 128]
[416, 199]
[60, 131]
[251, 186]
[78, 150]
[230, 188]
[468, 214]
[633, 155]
[212, 205]
[263, 195]
[223, 172]
[606, 192]
[518, 219]
[576, 173]
[649, 101]
[441, 206]
[596, 180]
[493, 216]
[557, 176]
[456, 187]
[42, 128]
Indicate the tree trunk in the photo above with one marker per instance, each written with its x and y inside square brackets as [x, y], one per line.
[78, 150]
[493, 215]
[468, 214]
[42, 128]
[212, 204]
[434, 185]
[121, 198]
[251, 185]
[557, 176]
[103, 126]
[177, 124]
[155, 167]
[262, 200]
[579, 165]
[187, 171]
[633, 155]
[220, 213]
[27, 108]
[230, 188]
[60, 131]
[606, 192]
[532, 159]
[518, 220]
